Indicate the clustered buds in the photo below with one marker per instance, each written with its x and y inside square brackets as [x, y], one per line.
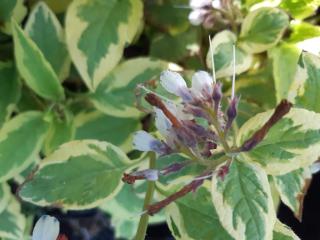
[182, 131]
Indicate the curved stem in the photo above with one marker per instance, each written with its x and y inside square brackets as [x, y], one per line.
[144, 219]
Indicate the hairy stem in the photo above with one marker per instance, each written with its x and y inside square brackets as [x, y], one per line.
[144, 219]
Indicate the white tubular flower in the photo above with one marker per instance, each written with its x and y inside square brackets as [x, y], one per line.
[199, 3]
[162, 123]
[216, 4]
[46, 228]
[196, 17]
[151, 174]
[175, 84]
[202, 84]
[145, 142]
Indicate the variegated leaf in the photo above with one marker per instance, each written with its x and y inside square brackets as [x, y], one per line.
[79, 175]
[11, 9]
[262, 29]
[222, 47]
[44, 29]
[101, 33]
[102, 127]
[285, 59]
[292, 143]
[12, 222]
[9, 91]
[5, 195]
[243, 202]
[21, 139]
[283, 232]
[292, 188]
[115, 95]
[34, 68]
[193, 216]
[304, 91]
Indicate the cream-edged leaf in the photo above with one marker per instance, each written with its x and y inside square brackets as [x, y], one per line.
[12, 222]
[5, 195]
[44, 29]
[103, 28]
[283, 232]
[115, 95]
[21, 139]
[11, 9]
[292, 188]
[292, 143]
[304, 91]
[222, 47]
[262, 29]
[79, 175]
[193, 216]
[102, 127]
[34, 68]
[243, 202]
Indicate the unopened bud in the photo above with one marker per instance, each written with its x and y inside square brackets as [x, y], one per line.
[217, 95]
[232, 111]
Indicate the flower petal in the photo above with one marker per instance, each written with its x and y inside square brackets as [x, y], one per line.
[197, 16]
[46, 228]
[202, 84]
[175, 84]
[143, 141]
[162, 123]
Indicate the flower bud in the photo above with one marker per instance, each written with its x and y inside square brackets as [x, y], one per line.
[217, 95]
[232, 111]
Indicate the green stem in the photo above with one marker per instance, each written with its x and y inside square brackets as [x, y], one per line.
[144, 219]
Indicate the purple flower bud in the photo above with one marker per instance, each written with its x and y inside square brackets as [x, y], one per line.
[217, 95]
[232, 111]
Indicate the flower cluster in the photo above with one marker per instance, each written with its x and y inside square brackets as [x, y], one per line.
[183, 133]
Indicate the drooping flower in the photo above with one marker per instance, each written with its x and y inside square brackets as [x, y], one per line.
[46, 228]
[145, 142]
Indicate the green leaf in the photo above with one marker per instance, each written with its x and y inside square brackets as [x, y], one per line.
[305, 89]
[181, 45]
[262, 29]
[300, 9]
[222, 46]
[303, 31]
[12, 222]
[21, 139]
[243, 202]
[257, 87]
[292, 143]
[61, 130]
[79, 175]
[46, 32]
[115, 95]
[283, 232]
[5, 195]
[246, 110]
[292, 188]
[125, 208]
[96, 125]
[285, 60]
[6, 8]
[11, 9]
[9, 90]
[193, 216]
[101, 34]
[34, 68]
